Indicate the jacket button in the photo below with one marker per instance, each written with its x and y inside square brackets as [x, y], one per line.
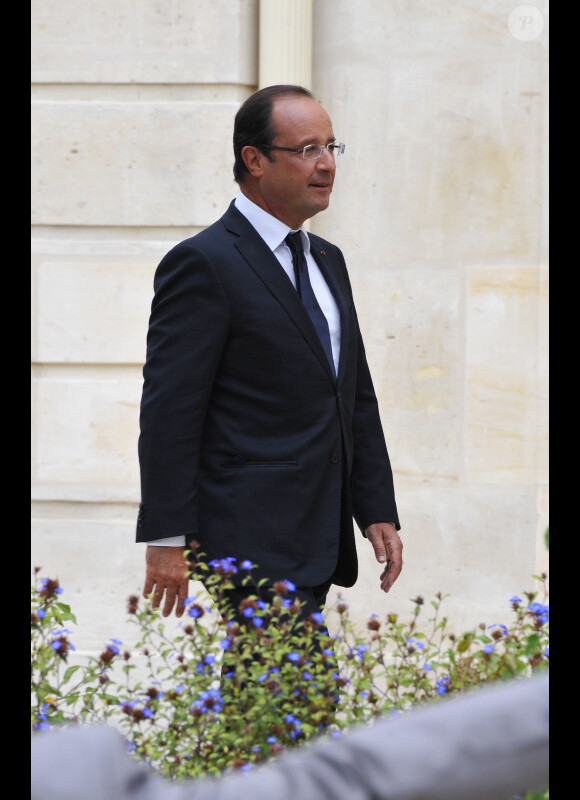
[334, 458]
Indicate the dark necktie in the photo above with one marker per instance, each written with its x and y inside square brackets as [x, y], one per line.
[306, 292]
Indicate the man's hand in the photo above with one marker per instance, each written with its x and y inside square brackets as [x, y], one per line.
[388, 550]
[167, 572]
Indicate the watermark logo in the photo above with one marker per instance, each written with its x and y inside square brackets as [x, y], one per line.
[526, 23]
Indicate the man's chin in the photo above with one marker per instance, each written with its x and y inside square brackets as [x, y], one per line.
[320, 204]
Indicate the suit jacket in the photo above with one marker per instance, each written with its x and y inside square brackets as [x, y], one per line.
[490, 744]
[247, 443]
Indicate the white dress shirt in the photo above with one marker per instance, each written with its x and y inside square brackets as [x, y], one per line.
[273, 231]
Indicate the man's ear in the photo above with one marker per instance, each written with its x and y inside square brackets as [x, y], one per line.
[253, 159]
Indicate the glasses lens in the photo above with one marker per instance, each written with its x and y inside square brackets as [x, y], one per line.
[315, 150]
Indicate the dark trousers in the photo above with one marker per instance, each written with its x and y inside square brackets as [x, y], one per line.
[311, 599]
[231, 605]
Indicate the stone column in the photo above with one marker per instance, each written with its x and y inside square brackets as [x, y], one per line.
[285, 49]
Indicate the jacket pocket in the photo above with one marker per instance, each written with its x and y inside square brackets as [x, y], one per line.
[267, 464]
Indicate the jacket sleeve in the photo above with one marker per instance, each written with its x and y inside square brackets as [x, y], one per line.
[371, 478]
[188, 327]
[371, 484]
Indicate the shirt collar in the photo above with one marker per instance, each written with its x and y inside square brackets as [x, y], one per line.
[272, 230]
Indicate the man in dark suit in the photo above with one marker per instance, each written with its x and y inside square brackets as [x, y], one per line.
[260, 431]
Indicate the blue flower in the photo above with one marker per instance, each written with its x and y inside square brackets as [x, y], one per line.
[488, 648]
[258, 622]
[271, 739]
[56, 645]
[225, 644]
[290, 587]
[246, 564]
[515, 599]
[248, 611]
[542, 611]
[40, 612]
[44, 582]
[147, 712]
[224, 565]
[362, 649]
[496, 625]
[317, 617]
[293, 657]
[427, 667]
[208, 701]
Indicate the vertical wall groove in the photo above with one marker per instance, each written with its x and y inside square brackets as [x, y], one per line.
[285, 48]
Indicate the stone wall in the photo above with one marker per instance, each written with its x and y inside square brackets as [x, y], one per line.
[440, 206]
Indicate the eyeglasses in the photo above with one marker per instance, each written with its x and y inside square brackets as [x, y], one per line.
[311, 151]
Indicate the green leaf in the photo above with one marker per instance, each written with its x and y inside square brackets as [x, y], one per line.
[532, 643]
[70, 672]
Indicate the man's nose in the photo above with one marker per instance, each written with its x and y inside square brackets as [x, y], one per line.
[326, 160]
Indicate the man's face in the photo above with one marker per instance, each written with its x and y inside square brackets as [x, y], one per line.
[291, 187]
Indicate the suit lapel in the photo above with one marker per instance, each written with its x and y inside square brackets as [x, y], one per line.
[264, 263]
